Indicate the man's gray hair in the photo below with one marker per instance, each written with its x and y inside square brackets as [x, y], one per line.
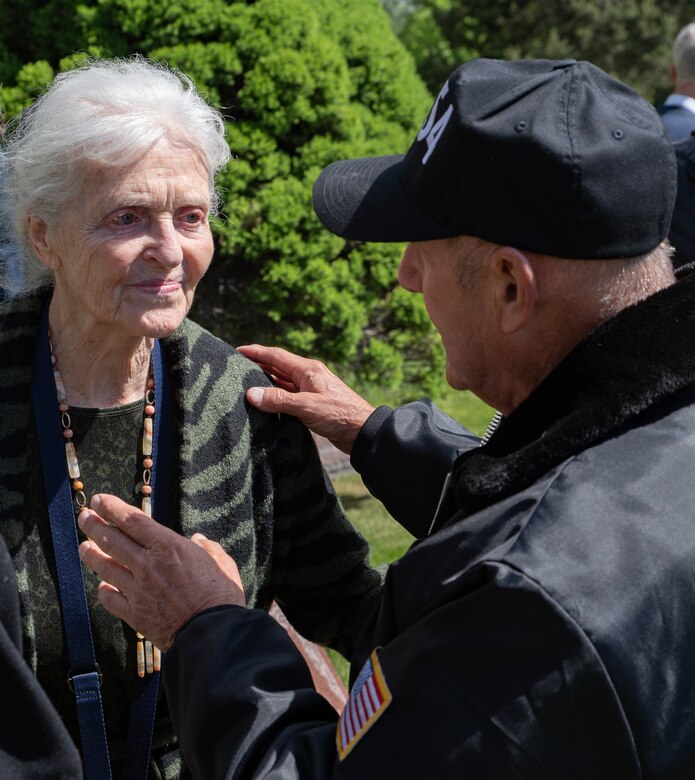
[613, 285]
[109, 112]
[607, 286]
[684, 54]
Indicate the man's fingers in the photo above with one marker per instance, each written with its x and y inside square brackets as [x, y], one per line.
[225, 563]
[114, 602]
[127, 542]
[213, 549]
[277, 400]
[105, 567]
[280, 362]
[107, 539]
[274, 357]
[131, 521]
[117, 581]
[118, 605]
[277, 375]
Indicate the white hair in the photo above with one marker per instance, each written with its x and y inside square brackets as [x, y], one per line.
[111, 112]
[684, 54]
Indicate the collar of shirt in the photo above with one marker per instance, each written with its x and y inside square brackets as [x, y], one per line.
[681, 100]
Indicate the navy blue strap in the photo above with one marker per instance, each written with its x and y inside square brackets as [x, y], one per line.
[84, 672]
[143, 709]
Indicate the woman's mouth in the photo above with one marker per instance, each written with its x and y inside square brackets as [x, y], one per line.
[159, 286]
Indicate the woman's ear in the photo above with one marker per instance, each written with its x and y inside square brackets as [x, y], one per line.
[38, 230]
[515, 288]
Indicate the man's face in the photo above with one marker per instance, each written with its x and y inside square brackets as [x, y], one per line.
[457, 310]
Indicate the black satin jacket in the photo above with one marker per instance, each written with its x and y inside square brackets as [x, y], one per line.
[543, 626]
[34, 744]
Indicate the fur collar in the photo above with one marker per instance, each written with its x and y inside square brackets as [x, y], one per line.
[626, 366]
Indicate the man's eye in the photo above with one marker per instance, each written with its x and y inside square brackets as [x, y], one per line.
[125, 219]
[192, 218]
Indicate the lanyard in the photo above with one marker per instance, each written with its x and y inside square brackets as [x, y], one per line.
[84, 676]
[144, 706]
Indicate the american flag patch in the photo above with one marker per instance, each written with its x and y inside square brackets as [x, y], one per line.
[369, 697]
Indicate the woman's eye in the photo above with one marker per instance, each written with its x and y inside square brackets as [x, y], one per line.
[125, 219]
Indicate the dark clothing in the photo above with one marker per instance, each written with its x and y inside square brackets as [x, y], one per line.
[678, 121]
[544, 630]
[682, 233]
[34, 744]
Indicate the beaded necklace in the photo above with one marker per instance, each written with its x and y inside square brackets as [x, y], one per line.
[148, 656]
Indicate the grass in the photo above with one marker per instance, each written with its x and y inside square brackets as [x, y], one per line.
[467, 409]
[388, 541]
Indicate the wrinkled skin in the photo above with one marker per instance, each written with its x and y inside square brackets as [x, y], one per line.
[153, 578]
[309, 391]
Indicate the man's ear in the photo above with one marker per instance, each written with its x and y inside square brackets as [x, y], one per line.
[672, 73]
[38, 230]
[515, 288]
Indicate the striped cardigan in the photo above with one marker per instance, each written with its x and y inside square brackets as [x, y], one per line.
[249, 480]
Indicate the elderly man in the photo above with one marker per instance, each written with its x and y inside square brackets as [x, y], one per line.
[542, 626]
[678, 110]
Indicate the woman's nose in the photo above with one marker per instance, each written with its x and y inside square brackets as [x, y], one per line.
[164, 246]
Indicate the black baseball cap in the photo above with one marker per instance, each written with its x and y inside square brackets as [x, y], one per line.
[555, 157]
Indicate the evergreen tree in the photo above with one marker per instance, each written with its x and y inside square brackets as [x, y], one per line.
[303, 83]
[631, 39]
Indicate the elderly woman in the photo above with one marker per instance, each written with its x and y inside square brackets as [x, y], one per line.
[105, 386]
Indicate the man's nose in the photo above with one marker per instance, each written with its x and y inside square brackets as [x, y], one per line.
[409, 271]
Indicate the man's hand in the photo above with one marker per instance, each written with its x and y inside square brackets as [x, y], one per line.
[309, 391]
[153, 578]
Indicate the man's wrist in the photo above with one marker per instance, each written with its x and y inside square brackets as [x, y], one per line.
[365, 436]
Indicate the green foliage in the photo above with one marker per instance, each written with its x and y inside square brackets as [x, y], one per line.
[29, 81]
[631, 39]
[302, 83]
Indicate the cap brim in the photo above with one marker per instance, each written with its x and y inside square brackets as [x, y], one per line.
[363, 200]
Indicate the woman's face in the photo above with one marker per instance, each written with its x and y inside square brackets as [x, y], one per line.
[134, 244]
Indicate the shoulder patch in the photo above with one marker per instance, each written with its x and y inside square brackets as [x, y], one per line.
[368, 699]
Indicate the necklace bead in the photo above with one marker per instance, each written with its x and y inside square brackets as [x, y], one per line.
[147, 655]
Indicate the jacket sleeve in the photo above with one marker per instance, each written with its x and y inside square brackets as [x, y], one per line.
[242, 700]
[404, 455]
[495, 682]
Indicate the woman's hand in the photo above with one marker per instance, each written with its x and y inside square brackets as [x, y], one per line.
[153, 578]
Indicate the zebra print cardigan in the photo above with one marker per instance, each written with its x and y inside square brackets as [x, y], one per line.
[249, 480]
